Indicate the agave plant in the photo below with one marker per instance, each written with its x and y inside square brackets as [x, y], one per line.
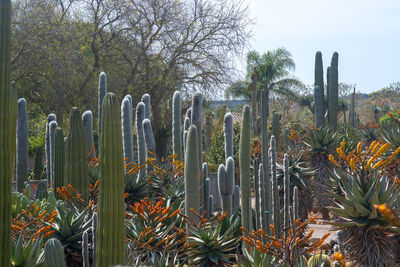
[364, 186]
[29, 254]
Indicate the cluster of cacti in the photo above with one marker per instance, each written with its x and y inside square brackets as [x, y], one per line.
[21, 173]
[226, 184]
[111, 208]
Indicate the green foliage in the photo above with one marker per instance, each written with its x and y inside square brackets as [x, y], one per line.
[319, 260]
[26, 255]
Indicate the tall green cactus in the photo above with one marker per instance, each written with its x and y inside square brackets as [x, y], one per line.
[54, 253]
[52, 128]
[192, 174]
[328, 73]
[85, 249]
[244, 164]
[256, 166]
[51, 117]
[127, 134]
[207, 196]
[102, 89]
[189, 113]
[265, 162]
[87, 120]
[262, 209]
[176, 125]
[141, 143]
[146, 100]
[8, 122]
[76, 160]
[186, 124]
[295, 203]
[59, 159]
[197, 119]
[333, 91]
[149, 137]
[204, 170]
[38, 167]
[21, 173]
[236, 198]
[228, 135]
[319, 91]
[111, 248]
[286, 192]
[226, 185]
[275, 191]
[352, 112]
[276, 128]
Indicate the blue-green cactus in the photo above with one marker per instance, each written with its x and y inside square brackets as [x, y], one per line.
[87, 120]
[146, 100]
[22, 145]
[127, 134]
[102, 90]
[141, 143]
[51, 117]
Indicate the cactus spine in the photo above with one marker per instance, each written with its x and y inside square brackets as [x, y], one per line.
[244, 164]
[85, 249]
[286, 189]
[59, 159]
[102, 92]
[319, 91]
[52, 128]
[141, 145]
[111, 205]
[38, 168]
[87, 120]
[54, 253]
[127, 137]
[22, 145]
[51, 117]
[275, 190]
[226, 185]
[228, 135]
[192, 174]
[176, 125]
[333, 91]
[146, 101]
[76, 169]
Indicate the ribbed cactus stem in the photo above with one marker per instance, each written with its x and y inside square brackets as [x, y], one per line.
[96, 143]
[38, 168]
[94, 238]
[197, 119]
[295, 203]
[261, 188]
[184, 141]
[275, 190]
[333, 91]
[228, 135]
[328, 73]
[319, 91]
[226, 185]
[127, 136]
[8, 123]
[352, 114]
[189, 113]
[236, 198]
[87, 120]
[146, 100]
[85, 249]
[176, 125]
[51, 117]
[207, 196]
[22, 145]
[210, 206]
[192, 174]
[244, 164]
[141, 143]
[54, 253]
[256, 166]
[276, 129]
[52, 129]
[286, 192]
[76, 161]
[111, 247]
[186, 123]
[204, 170]
[102, 89]
[59, 160]
[149, 137]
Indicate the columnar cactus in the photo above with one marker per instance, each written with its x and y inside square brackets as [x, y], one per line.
[54, 253]
[94, 238]
[192, 174]
[87, 120]
[295, 203]
[236, 198]
[204, 170]
[207, 196]
[319, 91]
[111, 248]
[228, 135]
[333, 91]
[102, 89]
[38, 168]
[149, 137]
[286, 190]
[22, 145]
[85, 249]
[146, 101]
[52, 129]
[127, 136]
[41, 192]
[352, 113]
[210, 206]
[186, 124]
[197, 119]
[265, 162]
[256, 166]
[8, 123]
[59, 159]
[261, 187]
[76, 163]
[275, 191]
[176, 125]
[276, 128]
[244, 164]
[141, 144]
[189, 112]
[226, 185]
[328, 73]
[51, 117]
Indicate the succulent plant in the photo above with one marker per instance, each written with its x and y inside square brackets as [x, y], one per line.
[102, 90]
[54, 253]
[21, 169]
[176, 125]
[38, 167]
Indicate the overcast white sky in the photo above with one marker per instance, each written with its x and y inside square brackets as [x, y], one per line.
[365, 33]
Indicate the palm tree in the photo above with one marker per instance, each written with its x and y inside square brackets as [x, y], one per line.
[270, 71]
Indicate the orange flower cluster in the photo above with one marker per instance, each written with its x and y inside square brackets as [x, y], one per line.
[391, 115]
[362, 160]
[369, 125]
[339, 257]
[289, 249]
[389, 214]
